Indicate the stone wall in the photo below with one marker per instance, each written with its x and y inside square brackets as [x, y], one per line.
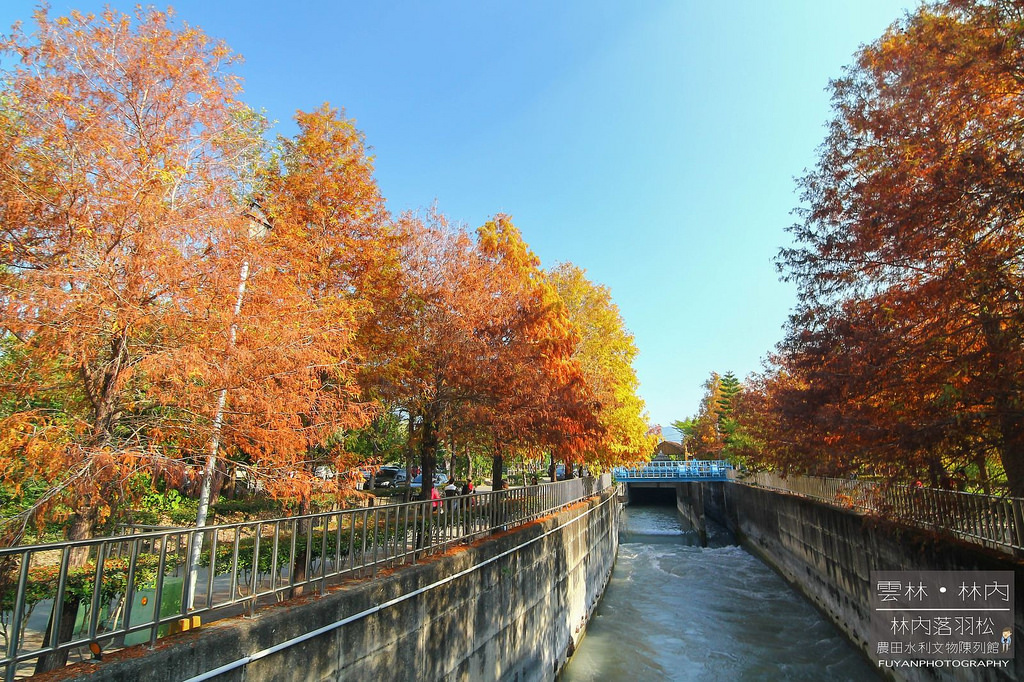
[510, 608]
[827, 553]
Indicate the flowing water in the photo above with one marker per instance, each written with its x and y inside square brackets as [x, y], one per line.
[676, 611]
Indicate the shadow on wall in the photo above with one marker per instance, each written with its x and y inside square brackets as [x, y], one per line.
[657, 497]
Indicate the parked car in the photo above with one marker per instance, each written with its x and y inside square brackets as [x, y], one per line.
[387, 475]
[439, 480]
[324, 472]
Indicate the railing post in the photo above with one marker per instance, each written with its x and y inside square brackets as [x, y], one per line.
[211, 573]
[351, 540]
[1018, 522]
[129, 589]
[307, 525]
[1003, 521]
[376, 538]
[158, 597]
[256, 566]
[339, 520]
[362, 551]
[58, 601]
[326, 518]
[19, 614]
[275, 554]
[405, 530]
[97, 589]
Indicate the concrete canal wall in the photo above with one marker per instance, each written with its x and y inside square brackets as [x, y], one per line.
[827, 553]
[510, 608]
[690, 504]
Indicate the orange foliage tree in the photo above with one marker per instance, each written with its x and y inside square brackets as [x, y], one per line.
[291, 373]
[123, 145]
[477, 348]
[604, 351]
[906, 352]
[425, 339]
[166, 292]
[539, 397]
[174, 292]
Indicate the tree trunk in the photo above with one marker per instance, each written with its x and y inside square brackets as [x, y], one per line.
[452, 462]
[230, 483]
[409, 459]
[428, 454]
[1011, 450]
[302, 551]
[497, 470]
[428, 464]
[1003, 344]
[103, 393]
[937, 473]
[83, 525]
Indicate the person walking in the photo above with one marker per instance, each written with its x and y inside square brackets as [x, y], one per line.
[451, 491]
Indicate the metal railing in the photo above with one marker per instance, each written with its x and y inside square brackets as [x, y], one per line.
[668, 469]
[989, 520]
[132, 589]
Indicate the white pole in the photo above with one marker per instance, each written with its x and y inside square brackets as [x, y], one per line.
[258, 227]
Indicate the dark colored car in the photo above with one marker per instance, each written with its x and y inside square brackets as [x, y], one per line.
[387, 476]
[439, 480]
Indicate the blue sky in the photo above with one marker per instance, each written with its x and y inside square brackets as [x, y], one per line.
[653, 143]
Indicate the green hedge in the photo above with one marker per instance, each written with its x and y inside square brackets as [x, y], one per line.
[246, 548]
[43, 580]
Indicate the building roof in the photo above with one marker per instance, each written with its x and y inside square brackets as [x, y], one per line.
[668, 449]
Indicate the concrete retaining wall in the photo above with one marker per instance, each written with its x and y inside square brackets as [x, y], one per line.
[510, 608]
[690, 504]
[827, 553]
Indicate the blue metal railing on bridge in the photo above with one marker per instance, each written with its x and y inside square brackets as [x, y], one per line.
[670, 471]
[992, 521]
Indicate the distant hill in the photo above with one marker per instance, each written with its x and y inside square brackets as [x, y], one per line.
[668, 433]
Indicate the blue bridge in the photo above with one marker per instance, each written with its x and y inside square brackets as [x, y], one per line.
[675, 472]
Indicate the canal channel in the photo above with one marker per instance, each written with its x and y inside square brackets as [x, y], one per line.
[676, 611]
